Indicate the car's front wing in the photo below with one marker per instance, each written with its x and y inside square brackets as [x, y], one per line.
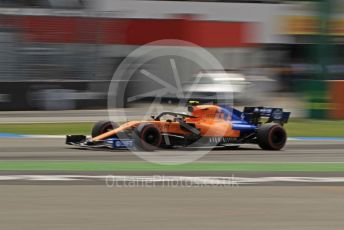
[112, 143]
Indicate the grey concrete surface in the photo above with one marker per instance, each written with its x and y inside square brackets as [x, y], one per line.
[67, 116]
[55, 149]
[98, 207]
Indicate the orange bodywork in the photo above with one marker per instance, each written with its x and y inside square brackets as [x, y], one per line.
[209, 119]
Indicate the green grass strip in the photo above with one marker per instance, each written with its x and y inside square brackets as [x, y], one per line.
[47, 128]
[144, 166]
[315, 128]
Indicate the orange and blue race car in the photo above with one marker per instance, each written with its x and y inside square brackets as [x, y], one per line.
[205, 125]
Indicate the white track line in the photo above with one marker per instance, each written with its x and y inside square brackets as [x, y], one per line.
[173, 179]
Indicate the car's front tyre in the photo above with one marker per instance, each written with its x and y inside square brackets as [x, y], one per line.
[102, 127]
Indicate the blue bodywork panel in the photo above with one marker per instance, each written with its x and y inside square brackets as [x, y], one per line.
[117, 143]
[237, 119]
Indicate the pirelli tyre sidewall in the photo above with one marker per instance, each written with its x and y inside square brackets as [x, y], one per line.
[102, 127]
[147, 137]
[271, 136]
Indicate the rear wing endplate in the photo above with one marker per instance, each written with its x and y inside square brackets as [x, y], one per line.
[277, 115]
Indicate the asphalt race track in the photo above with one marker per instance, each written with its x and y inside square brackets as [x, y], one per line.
[83, 200]
[98, 207]
[55, 149]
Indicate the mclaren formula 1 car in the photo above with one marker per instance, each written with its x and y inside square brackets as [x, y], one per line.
[204, 125]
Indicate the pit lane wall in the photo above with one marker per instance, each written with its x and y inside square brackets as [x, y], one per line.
[336, 95]
[64, 59]
[324, 99]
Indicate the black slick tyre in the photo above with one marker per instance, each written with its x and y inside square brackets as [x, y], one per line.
[147, 137]
[271, 136]
[102, 127]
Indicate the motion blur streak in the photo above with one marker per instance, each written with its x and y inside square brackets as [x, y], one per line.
[57, 55]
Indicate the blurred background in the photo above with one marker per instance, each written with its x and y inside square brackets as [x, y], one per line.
[62, 54]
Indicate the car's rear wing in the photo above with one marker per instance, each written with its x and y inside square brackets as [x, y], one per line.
[254, 114]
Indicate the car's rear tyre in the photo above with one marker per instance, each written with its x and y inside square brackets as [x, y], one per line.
[147, 137]
[102, 127]
[271, 136]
